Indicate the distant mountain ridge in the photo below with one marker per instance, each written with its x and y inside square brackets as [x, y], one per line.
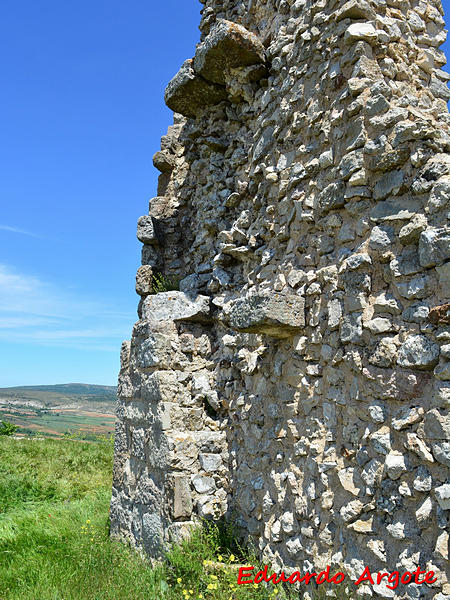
[72, 389]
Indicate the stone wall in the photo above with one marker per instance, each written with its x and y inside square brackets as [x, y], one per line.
[299, 379]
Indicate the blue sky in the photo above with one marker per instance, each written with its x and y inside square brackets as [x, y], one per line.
[81, 115]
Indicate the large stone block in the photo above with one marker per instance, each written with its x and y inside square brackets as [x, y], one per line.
[389, 384]
[147, 230]
[175, 306]
[182, 498]
[155, 352]
[152, 533]
[277, 315]
[228, 46]
[188, 94]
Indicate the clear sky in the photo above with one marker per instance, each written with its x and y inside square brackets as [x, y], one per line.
[81, 115]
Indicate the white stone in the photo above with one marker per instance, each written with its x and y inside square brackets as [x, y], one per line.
[361, 31]
[443, 496]
[203, 485]
[173, 306]
[395, 464]
[423, 513]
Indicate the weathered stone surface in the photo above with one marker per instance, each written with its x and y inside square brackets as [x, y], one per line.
[399, 210]
[440, 314]
[418, 352]
[144, 280]
[353, 9]
[227, 46]
[442, 372]
[188, 93]
[410, 232]
[203, 485]
[437, 426]
[389, 185]
[308, 209]
[434, 247]
[147, 230]
[443, 273]
[395, 464]
[277, 315]
[182, 500]
[441, 451]
[401, 385]
[406, 417]
[332, 197]
[175, 306]
[152, 529]
[361, 31]
[164, 161]
[443, 496]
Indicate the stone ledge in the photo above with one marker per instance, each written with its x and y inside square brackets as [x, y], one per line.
[228, 46]
[147, 232]
[187, 93]
[201, 81]
[175, 306]
[277, 315]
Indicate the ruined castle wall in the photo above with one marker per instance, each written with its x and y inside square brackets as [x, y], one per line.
[299, 378]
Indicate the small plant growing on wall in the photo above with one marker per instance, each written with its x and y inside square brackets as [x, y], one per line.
[163, 283]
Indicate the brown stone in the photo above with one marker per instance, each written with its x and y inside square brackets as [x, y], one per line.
[440, 314]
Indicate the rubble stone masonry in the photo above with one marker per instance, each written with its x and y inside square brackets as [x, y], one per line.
[298, 381]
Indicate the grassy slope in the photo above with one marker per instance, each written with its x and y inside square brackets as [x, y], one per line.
[54, 543]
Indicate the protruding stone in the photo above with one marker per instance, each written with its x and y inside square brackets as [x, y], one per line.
[147, 230]
[227, 46]
[355, 9]
[277, 315]
[164, 161]
[361, 31]
[175, 306]
[144, 280]
[188, 94]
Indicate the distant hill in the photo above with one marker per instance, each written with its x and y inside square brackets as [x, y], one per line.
[55, 409]
[71, 389]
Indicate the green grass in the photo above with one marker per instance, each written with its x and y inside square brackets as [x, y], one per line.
[55, 545]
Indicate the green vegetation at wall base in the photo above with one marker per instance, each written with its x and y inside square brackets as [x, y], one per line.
[55, 543]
